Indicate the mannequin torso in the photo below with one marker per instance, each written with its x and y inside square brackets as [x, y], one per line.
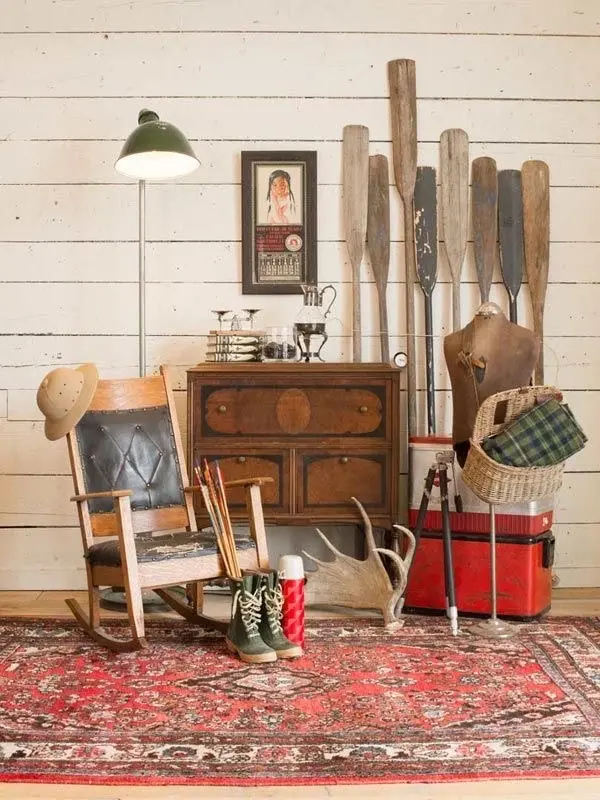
[488, 355]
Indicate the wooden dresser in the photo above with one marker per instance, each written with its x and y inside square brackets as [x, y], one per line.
[323, 432]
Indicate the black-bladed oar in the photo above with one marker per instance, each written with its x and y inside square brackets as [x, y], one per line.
[454, 206]
[510, 234]
[484, 210]
[378, 240]
[536, 228]
[426, 247]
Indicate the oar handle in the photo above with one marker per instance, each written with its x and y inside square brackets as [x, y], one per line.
[538, 327]
[356, 316]
[429, 364]
[456, 304]
[383, 326]
[411, 271]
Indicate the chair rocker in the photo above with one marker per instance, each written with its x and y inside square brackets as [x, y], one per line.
[131, 483]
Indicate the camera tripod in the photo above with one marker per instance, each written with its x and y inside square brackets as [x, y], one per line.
[439, 469]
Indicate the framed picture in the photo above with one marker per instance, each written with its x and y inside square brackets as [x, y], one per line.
[279, 221]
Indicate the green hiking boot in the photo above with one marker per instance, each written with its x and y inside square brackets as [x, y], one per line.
[243, 636]
[269, 626]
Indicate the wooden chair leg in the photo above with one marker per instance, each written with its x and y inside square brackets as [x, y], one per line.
[93, 598]
[195, 595]
[256, 522]
[129, 568]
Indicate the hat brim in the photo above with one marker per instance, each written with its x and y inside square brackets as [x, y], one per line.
[57, 429]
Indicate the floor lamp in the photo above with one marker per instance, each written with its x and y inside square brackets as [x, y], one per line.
[154, 151]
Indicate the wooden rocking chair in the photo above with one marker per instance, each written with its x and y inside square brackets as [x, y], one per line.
[131, 483]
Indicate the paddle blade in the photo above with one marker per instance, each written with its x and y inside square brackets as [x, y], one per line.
[454, 196]
[355, 181]
[426, 227]
[510, 231]
[403, 101]
[484, 209]
[536, 228]
[378, 219]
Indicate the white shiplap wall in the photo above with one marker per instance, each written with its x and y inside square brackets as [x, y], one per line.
[522, 78]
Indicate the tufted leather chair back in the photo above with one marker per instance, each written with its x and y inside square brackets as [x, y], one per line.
[129, 439]
[134, 450]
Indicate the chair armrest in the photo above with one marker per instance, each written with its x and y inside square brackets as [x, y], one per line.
[238, 482]
[79, 498]
[249, 482]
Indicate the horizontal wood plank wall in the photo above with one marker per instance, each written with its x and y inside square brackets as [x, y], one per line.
[522, 78]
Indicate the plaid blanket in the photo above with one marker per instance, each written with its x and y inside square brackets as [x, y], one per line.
[546, 434]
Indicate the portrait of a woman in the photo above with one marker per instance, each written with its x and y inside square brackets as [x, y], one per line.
[281, 203]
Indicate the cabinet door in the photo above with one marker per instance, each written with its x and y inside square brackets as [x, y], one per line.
[326, 482]
[238, 465]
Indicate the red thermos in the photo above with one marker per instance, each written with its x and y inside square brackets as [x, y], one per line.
[291, 576]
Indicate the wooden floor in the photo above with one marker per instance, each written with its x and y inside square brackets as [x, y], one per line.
[565, 602]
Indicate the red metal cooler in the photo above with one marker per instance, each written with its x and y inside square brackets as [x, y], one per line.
[523, 574]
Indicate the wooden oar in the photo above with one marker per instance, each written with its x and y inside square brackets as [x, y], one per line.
[536, 230]
[378, 240]
[510, 234]
[426, 246]
[454, 206]
[403, 101]
[355, 182]
[484, 210]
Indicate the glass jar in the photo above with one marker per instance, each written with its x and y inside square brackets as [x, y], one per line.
[278, 344]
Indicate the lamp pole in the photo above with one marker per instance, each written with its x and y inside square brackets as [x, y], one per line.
[142, 277]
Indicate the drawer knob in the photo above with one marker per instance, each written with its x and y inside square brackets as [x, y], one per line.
[241, 459]
[363, 409]
[344, 460]
[222, 409]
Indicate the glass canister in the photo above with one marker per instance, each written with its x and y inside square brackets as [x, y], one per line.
[278, 344]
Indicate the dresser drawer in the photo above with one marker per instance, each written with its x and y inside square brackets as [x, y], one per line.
[319, 411]
[325, 482]
[238, 465]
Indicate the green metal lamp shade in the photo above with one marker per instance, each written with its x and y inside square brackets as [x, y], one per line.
[156, 150]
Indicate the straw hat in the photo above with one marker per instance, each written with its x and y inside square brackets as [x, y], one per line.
[64, 396]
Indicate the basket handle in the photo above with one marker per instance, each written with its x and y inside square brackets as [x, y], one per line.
[517, 401]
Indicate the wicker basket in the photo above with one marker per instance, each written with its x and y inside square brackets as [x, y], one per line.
[498, 483]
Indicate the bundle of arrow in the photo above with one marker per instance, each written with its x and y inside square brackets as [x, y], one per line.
[215, 500]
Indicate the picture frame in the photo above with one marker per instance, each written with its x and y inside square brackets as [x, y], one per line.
[279, 221]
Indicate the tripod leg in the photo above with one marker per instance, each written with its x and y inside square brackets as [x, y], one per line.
[422, 511]
[447, 536]
[424, 503]
[419, 526]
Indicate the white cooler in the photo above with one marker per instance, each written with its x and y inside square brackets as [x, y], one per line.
[519, 519]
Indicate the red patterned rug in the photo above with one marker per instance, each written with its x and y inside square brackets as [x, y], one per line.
[360, 706]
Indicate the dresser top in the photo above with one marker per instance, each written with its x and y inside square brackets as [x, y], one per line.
[294, 367]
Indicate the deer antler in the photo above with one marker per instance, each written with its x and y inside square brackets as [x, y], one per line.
[347, 581]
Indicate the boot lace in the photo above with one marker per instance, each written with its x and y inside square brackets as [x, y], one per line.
[250, 606]
[274, 605]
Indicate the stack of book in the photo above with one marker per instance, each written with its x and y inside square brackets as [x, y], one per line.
[234, 345]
